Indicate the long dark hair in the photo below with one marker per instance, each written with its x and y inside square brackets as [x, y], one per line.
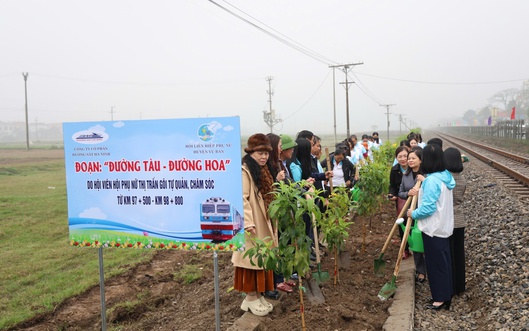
[302, 155]
[432, 159]
[377, 139]
[274, 164]
[305, 134]
[255, 169]
[453, 160]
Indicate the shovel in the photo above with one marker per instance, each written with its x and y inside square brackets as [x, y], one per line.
[380, 264]
[389, 289]
[319, 276]
[329, 168]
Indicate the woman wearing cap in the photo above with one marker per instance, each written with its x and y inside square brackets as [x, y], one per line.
[257, 183]
[288, 145]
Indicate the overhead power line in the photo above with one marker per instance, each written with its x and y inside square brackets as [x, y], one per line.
[290, 42]
[442, 83]
[310, 98]
[187, 83]
[361, 86]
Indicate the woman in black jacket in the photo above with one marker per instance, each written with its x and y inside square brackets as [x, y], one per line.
[345, 177]
[395, 178]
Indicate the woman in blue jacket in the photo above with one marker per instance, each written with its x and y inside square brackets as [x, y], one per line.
[435, 219]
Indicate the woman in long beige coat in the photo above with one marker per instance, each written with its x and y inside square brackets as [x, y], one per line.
[257, 184]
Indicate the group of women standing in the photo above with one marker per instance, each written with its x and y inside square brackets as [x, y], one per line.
[268, 159]
[438, 215]
[271, 158]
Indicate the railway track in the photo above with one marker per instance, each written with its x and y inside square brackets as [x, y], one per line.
[511, 170]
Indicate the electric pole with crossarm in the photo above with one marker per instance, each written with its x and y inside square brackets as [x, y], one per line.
[345, 68]
[387, 115]
[270, 115]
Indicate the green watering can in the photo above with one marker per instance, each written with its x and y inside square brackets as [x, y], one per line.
[355, 194]
[414, 238]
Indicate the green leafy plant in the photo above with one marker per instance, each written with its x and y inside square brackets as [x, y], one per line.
[287, 210]
[373, 184]
[291, 202]
[334, 225]
[385, 153]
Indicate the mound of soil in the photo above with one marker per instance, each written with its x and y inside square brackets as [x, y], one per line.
[153, 296]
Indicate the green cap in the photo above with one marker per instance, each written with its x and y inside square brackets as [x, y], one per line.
[287, 142]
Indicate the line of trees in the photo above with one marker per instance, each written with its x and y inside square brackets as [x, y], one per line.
[500, 106]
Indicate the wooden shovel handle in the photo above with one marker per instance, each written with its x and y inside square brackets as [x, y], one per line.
[395, 225]
[329, 166]
[406, 233]
[316, 241]
[315, 231]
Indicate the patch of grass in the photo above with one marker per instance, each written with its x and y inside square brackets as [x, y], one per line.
[7, 171]
[129, 310]
[39, 267]
[188, 274]
[128, 306]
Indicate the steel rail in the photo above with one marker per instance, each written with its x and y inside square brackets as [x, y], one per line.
[510, 172]
[514, 157]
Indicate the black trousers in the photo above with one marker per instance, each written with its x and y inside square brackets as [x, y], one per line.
[439, 267]
[457, 249]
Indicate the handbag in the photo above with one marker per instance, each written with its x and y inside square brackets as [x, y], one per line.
[400, 204]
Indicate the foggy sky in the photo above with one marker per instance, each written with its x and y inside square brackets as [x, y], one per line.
[189, 58]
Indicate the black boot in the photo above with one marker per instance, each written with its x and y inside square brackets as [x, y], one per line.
[274, 295]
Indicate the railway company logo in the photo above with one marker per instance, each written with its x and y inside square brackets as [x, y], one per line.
[90, 137]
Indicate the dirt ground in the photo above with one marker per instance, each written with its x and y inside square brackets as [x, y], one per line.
[148, 297]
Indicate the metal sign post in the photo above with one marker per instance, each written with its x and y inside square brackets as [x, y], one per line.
[217, 303]
[102, 291]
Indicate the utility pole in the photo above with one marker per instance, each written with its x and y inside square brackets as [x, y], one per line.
[36, 129]
[112, 113]
[345, 68]
[334, 103]
[400, 122]
[387, 115]
[270, 115]
[347, 103]
[25, 75]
